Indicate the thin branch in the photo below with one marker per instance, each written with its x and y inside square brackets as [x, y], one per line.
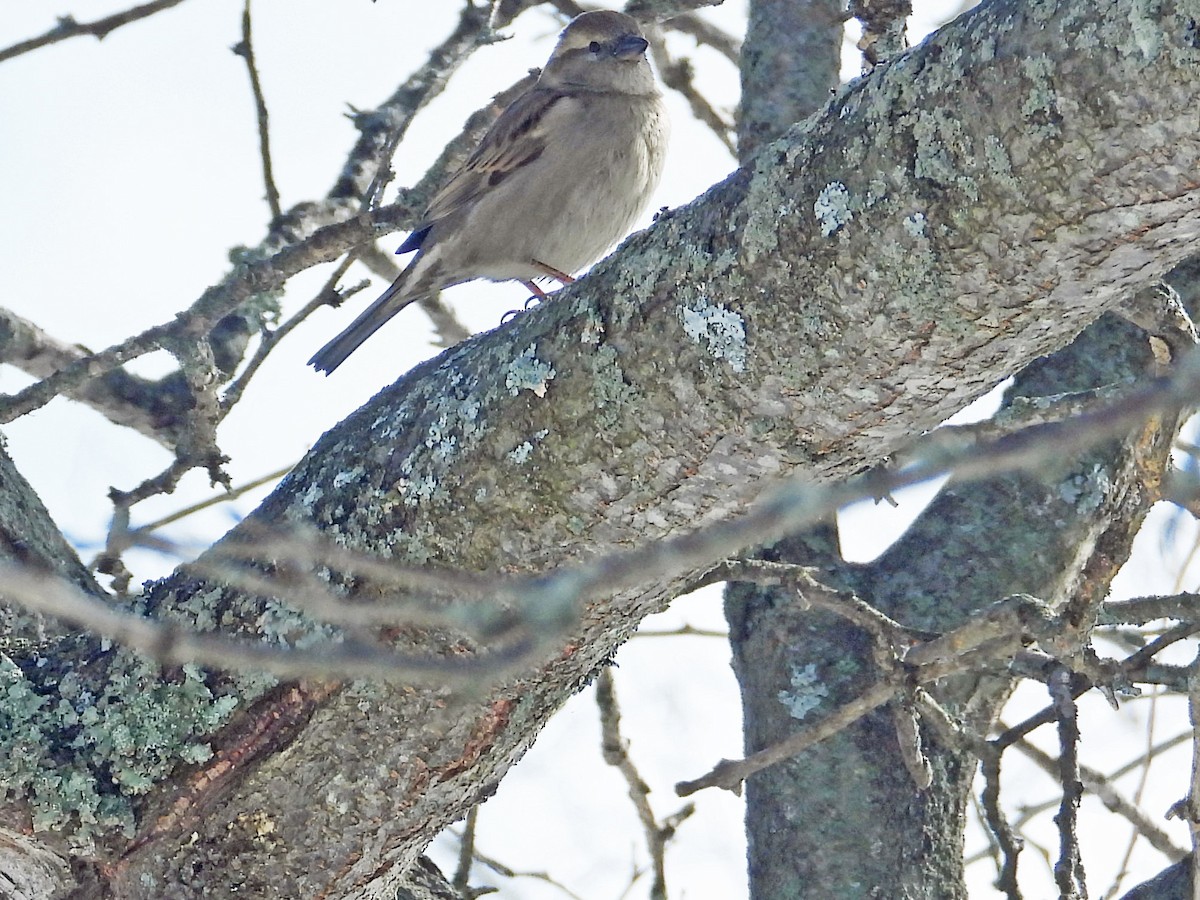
[615, 754]
[1183, 607]
[1132, 664]
[123, 399]
[1009, 841]
[1139, 791]
[681, 631]
[67, 27]
[1192, 802]
[328, 295]
[1068, 871]
[466, 853]
[677, 75]
[172, 643]
[196, 448]
[1103, 787]
[967, 648]
[729, 774]
[365, 173]
[665, 9]
[501, 869]
[245, 49]
[706, 34]
[232, 494]
[554, 599]
[797, 503]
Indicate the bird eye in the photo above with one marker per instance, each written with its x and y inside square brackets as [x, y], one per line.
[595, 47]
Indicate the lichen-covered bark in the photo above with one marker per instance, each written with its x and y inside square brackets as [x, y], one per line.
[843, 819]
[974, 205]
[845, 816]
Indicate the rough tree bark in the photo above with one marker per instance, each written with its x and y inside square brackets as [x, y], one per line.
[845, 816]
[971, 207]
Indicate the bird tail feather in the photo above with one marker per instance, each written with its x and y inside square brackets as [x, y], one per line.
[371, 320]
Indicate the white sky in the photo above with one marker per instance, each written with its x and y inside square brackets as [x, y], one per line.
[129, 167]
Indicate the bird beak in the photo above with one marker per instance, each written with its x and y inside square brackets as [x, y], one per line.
[629, 46]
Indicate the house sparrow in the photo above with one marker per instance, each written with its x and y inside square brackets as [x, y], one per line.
[560, 177]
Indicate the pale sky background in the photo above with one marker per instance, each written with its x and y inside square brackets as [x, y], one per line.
[129, 167]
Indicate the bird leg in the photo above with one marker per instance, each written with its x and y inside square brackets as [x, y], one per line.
[538, 293]
[560, 277]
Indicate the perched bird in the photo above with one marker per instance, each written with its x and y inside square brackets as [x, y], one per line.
[557, 180]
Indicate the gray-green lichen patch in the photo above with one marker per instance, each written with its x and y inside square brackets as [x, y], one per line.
[1086, 490]
[807, 691]
[1145, 28]
[832, 208]
[915, 225]
[415, 487]
[77, 756]
[529, 373]
[520, 454]
[721, 330]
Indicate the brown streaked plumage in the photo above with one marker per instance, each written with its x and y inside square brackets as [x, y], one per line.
[559, 178]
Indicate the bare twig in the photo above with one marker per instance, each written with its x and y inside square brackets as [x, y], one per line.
[729, 774]
[501, 869]
[681, 631]
[1010, 843]
[1138, 794]
[231, 494]
[614, 750]
[796, 503]
[1132, 664]
[706, 34]
[665, 9]
[1068, 871]
[466, 852]
[1192, 802]
[366, 172]
[1103, 787]
[67, 27]
[173, 643]
[327, 295]
[245, 49]
[677, 75]
[121, 398]
[196, 448]
[1183, 607]
[812, 592]
[555, 597]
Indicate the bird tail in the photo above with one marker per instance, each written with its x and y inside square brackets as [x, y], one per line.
[371, 320]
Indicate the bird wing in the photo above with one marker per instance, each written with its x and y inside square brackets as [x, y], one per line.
[516, 139]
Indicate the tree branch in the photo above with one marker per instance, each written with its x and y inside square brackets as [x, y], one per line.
[68, 28]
